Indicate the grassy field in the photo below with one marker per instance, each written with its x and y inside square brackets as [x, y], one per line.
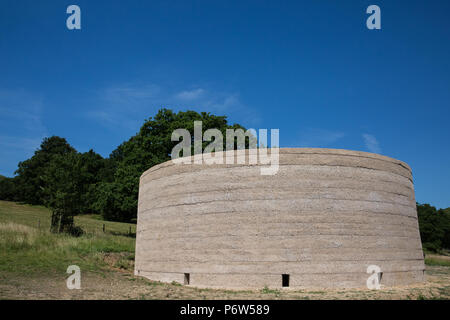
[437, 260]
[27, 246]
[33, 264]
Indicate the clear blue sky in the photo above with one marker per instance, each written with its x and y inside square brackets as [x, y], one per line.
[310, 68]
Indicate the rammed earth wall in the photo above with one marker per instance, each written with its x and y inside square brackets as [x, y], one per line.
[320, 221]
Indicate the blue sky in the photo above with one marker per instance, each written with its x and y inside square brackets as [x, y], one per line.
[310, 68]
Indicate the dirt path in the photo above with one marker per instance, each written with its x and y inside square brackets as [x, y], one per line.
[123, 285]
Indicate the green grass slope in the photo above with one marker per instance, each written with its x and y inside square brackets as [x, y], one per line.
[27, 246]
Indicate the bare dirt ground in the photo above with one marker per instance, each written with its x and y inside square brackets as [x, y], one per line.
[123, 285]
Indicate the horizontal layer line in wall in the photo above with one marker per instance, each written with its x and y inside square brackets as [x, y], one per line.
[283, 236]
[143, 212]
[277, 274]
[269, 254]
[204, 168]
[229, 187]
[307, 217]
[393, 161]
[188, 191]
[280, 199]
[309, 225]
[315, 172]
[302, 214]
[230, 262]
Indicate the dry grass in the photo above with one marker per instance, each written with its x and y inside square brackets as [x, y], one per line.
[123, 285]
[40, 217]
[33, 265]
[28, 247]
[15, 236]
[437, 260]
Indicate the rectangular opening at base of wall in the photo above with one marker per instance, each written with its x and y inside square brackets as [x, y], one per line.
[285, 280]
[187, 279]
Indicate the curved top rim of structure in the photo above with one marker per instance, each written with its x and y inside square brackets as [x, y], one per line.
[325, 151]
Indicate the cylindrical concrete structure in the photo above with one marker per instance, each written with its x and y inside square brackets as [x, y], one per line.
[319, 222]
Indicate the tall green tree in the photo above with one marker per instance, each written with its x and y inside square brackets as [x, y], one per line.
[434, 227]
[117, 199]
[69, 182]
[29, 181]
[63, 190]
[8, 189]
[92, 171]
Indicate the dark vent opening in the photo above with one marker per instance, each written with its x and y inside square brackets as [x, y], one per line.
[285, 280]
[187, 279]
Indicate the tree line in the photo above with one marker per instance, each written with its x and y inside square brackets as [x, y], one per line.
[434, 227]
[70, 182]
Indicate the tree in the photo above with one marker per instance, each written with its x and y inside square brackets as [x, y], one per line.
[93, 170]
[8, 188]
[117, 199]
[29, 181]
[62, 188]
[434, 227]
[446, 227]
[69, 182]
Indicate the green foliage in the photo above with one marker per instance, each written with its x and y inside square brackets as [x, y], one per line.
[62, 191]
[117, 199]
[71, 183]
[60, 178]
[30, 172]
[68, 184]
[267, 290]
[8, 189]
[434, 227]
[436, 261]
[25, 248]
[34, 216]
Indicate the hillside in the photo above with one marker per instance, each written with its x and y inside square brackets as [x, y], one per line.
[33, 264]
[28, 246]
